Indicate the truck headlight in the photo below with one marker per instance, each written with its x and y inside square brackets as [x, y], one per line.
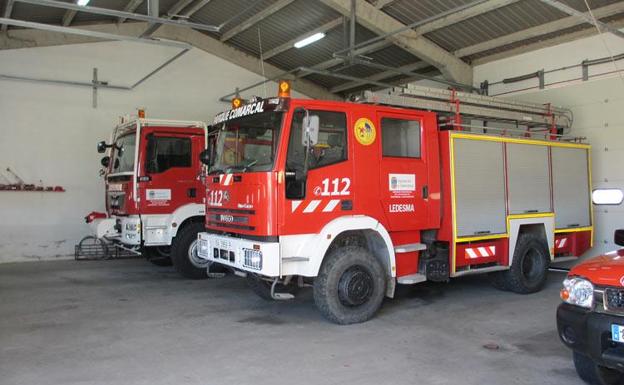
[578, 291]
[134, 227]
[202, 248]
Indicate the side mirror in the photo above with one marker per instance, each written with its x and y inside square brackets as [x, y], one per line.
[101, 147]
[310, 130]
[204, 157]
[618, 237]
[105, 161]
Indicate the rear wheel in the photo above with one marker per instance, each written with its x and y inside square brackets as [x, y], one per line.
[595, 374]
[184, 252]
[158, 255]
[350, 286]
[529, 269]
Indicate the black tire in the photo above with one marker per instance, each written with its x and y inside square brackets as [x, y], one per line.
[183, 252]
[595, 374]
[262, 288]
[350, 286]
[498, 280]
[158, 255]
[529, 269]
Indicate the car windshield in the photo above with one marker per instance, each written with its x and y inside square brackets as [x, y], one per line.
[247, 144]
[123, 153]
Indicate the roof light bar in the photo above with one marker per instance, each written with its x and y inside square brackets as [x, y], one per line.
[309, 40]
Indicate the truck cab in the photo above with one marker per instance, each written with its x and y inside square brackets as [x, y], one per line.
[591, 318]
[153, 192]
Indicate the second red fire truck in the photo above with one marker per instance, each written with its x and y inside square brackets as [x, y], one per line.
[402, 187]
[154, 195]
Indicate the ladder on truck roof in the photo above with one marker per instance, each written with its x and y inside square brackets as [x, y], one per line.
[456, 105]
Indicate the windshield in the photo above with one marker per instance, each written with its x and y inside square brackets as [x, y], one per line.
[123, 154]
[247, 144]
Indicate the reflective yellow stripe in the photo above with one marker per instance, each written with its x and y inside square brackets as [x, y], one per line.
[575, 230]
[490, 138]
[481, 238]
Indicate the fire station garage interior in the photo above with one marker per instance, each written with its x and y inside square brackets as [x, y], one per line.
[311, 191]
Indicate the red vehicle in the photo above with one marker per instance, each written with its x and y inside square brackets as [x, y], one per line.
[154, 196]
[591, 318]
[353, 198]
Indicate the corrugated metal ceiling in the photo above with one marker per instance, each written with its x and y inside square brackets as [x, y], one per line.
[302, 16]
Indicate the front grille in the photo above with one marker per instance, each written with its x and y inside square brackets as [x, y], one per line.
[614, 299]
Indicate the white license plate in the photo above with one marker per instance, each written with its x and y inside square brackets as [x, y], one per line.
[617, 333]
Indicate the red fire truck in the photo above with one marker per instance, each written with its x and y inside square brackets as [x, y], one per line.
[154, 196]
[403, 186]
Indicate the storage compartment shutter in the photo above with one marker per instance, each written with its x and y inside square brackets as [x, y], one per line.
[479, 187]
[570, 187]
[528, 178]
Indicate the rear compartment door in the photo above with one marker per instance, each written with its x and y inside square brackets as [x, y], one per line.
[403, 179]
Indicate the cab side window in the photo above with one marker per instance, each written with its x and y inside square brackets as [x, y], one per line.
[332, 143]
[164, 153]
[400, 138]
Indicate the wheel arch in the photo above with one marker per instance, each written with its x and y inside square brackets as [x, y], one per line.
[542, 227]
[183, 215]
[368, 230]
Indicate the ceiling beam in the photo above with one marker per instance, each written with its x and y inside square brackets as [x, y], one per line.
[130, 8]
[379, 77]
[290, 43]
[587, 16]
[8, 9]
[377, 21]
[253, 20]
[173, 11]
[379, 4]
[464, 14]
[116, 13]
[195, 8]
[560, 39]
[540, 30]
[21, 38]
[68, 17]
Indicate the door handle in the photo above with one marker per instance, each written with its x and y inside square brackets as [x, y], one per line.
[425, 192]
[192, 192]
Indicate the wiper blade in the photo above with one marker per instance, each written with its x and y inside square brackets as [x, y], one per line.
[216, 172]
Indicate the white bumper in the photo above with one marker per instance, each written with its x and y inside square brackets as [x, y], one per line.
[256, 257]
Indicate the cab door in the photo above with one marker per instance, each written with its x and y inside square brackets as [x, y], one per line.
[403, 178]
[170, 171]
[324, 193]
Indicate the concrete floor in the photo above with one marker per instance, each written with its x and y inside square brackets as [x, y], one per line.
[128, 322]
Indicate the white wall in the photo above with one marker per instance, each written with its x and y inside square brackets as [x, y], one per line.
[598, 106]
[48, 132]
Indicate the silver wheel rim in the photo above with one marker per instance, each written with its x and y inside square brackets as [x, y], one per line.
[195, 259]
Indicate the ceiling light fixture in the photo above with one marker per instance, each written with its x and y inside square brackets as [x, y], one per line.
[309, 40]
[82, 3]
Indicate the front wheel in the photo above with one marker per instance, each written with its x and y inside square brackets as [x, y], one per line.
[595, 374]
[184, 253]
[529, 268]
[158, 255]
[350, 286]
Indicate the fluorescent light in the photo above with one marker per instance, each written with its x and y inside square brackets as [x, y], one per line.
[607, 196]
[82, 3]
[309, 40]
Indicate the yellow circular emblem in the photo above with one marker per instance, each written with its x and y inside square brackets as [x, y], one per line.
[365, 132]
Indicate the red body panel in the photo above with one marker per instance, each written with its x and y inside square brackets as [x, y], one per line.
[604, 270]
[477, 253]
[572, 243]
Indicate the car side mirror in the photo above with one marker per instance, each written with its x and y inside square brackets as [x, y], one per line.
[310, 130]
[105, 161]
[618, 237]
[101, 147]
[204, 157]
